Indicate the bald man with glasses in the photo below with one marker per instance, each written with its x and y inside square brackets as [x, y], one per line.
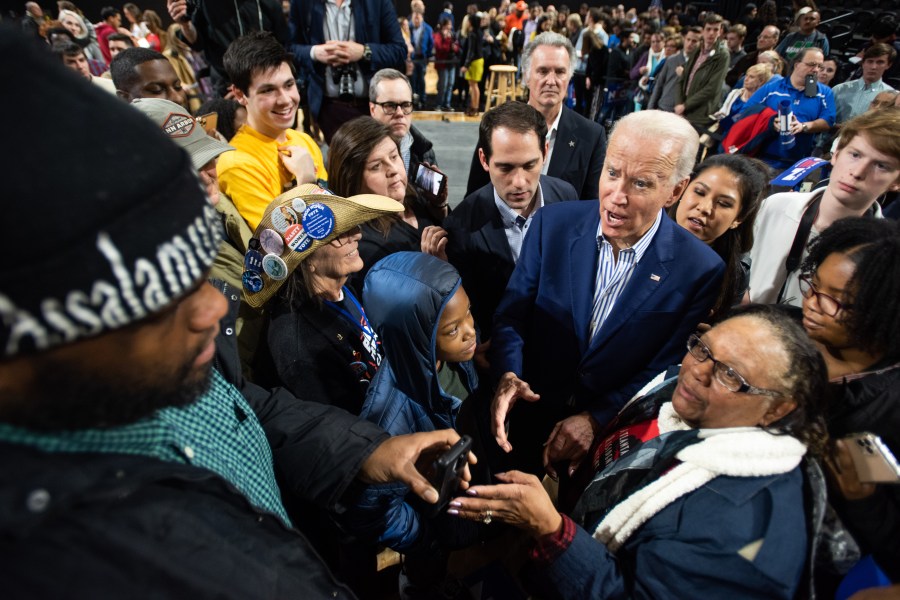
[766, 40]
[391, 103]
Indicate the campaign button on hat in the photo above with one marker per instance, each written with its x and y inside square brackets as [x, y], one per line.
[253, 281]
[283, 217]
[253, 244]
[274, 267]
[298, 205]
[297, 239]
[253, 261]
[271, 241]
[318, 221]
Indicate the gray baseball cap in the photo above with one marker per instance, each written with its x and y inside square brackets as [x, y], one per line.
[183, 129]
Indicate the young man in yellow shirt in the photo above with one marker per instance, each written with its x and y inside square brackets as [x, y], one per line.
[271, 157]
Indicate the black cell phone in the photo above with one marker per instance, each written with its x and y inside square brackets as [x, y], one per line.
[811, 86]
[430, 182]
[447, 472]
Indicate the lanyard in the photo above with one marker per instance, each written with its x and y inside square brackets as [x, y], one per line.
[364, 327]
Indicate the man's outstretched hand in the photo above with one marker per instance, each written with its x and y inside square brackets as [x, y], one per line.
[405, 458]
[510, 389]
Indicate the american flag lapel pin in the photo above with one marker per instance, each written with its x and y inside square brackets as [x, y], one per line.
[654, 277]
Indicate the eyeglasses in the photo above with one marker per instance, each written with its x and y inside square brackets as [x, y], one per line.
[345, 238]
[390, 108]
[814, 65]
[730, 379]
[827, 304]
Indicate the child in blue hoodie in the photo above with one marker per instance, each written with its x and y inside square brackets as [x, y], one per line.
[418, 307]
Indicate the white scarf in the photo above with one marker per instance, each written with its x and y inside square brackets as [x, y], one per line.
[735, 452]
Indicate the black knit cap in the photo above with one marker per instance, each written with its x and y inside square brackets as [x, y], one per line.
[104, 219]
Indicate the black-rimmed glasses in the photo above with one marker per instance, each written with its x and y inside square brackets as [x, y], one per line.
[390, 108]
[730, 379]
[827, 304]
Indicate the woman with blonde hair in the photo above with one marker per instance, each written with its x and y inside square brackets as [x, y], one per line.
[156, 37]
[473, 63]
[757, 75]
[179, 56]
[774, 59]
[80, 30]
[407, 37]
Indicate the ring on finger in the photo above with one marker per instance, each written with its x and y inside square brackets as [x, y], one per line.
[488, 517]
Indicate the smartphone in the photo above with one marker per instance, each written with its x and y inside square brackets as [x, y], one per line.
[447, 472]
[874, 461]
[209, 121]
[810, 87]
[430, 182]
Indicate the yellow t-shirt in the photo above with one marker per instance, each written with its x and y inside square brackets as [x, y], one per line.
[254, 175]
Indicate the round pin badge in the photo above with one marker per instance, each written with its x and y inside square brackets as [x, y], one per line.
[253, 281]
[297, 239]
[253, 244]
[298, 205]
[271, 241]
[274, 267]
[318, 221]
[283, 217]
[253, 261]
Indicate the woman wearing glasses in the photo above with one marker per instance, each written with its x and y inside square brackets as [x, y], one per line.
[850, 287]
[366, 160]
[696, 485]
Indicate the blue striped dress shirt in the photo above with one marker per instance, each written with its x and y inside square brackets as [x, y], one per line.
[613, 275]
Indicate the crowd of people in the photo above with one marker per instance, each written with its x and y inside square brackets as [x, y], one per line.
[263, 318]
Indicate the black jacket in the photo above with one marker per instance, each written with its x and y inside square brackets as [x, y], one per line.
[218, 24]
[315, 350]
[118, 526]
[870, 404]
[578, 155]
[479, 250]
[421, 151]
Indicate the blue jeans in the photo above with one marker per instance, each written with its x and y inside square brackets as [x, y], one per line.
[418, 78]
[446, 80]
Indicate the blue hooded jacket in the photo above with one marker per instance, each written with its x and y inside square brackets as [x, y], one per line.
[404, 295]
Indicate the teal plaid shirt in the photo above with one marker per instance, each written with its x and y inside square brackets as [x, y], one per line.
[219, 432]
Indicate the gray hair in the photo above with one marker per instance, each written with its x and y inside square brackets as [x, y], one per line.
[385, 75]
[548, 38]
[660, 127]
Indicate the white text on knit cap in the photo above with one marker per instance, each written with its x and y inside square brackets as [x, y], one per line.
[149, 286]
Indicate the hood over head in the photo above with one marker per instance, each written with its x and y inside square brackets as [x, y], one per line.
[404, 296]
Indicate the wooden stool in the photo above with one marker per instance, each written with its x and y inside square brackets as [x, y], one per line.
[501, 86]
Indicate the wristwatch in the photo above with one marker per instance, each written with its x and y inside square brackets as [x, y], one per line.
[367, 53]
[804, 127]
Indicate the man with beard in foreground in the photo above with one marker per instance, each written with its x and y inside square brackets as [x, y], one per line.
[130, 466]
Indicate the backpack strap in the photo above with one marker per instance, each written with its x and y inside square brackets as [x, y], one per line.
[800, 239]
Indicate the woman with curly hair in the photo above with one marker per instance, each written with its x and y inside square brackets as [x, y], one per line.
[850, 286]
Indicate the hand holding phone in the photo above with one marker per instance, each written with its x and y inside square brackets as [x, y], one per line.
[873, 460]
[431, 183]
[448, 471]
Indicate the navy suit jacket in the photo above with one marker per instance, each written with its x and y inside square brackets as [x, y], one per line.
[375, 24]
[479, 250]
[578, 155]
[542, 326]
